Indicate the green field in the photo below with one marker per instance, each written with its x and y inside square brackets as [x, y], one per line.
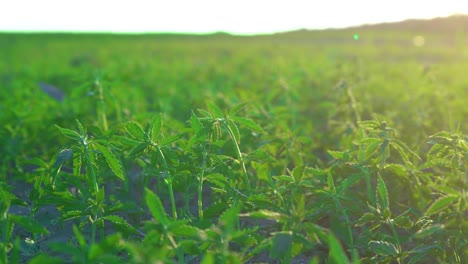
[337, 146]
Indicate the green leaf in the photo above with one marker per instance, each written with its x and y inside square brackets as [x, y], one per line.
[215, 110]
[156, 208]
[429, 230]
[441, 204]
[38, 162]
[196, 124]
[382, 194]
[112, 161]
[403, 221]
[183, 230]
[235, 130]
[297, 173]
[62, 157]
[155, 127]
[237, 108]
[366, 218]
[338, 155]
[138, 148]
[267, 214]
[79, 237]
[217, 179]
[383, 248]
[205, 113]
[248, 123]
[69, 133]
[331, 184]
[190, 247]
[230, 217]
[135, 130]
[81, 129]
[169, 140]
[120, 222]
[29, 224]
[337, 253]
[371, 149]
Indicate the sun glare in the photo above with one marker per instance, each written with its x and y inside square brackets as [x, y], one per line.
[242, 16]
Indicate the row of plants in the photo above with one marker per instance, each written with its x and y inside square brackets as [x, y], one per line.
[336, 157]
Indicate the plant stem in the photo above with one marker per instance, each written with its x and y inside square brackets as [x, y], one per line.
[168, 181]
[101, 105]
[90, 167]
[200, 185]
[239, 154]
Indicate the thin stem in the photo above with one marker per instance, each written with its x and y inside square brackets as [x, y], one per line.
[90, 167]
[101, 105]
[239, 154]
[168, 181]
[200, 185]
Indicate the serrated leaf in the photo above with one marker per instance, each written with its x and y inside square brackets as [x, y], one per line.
[214, 209]
[366, 218]
[297, 173]
[155, 127]
[338, 155]
[183, 230]
[205, 113]
[120, 222]
[440, 204]
[112, 161]
[371, 149]
[81, 129]
[135, 130]
[138, 148]
[429, 230]
[283, 178]
[217, 179]
[156, 208]
[169, 140]
[237, 108]
[383, 248]
[229, 218]
[235, 130]
[403, 221]
[369, 141]
[248, 123]
[38, 162]
[29, 224]
[349, 181]
[398, 169]
[69, 133]
[215, 110]
[62, 157]
[197, 126]
[382, 194]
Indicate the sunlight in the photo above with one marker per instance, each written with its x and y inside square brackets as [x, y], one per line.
[246, 17]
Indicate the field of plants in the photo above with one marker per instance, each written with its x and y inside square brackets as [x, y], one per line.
[340, 146]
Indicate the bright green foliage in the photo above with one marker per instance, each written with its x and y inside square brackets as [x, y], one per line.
[291, 148]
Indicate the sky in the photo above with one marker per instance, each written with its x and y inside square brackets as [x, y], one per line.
[207, 16]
